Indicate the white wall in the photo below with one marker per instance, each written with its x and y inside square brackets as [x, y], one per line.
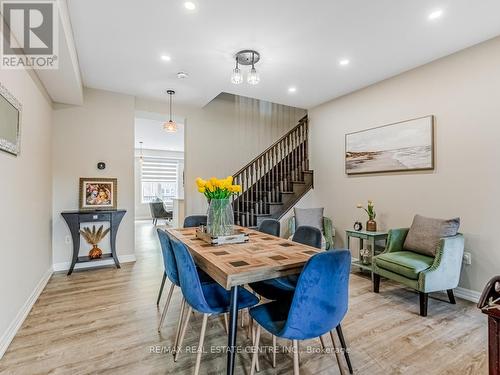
[100, 130]
[26, 203]
[225, 135]
[463, 92]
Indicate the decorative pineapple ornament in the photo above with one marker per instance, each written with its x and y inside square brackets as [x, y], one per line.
[93, 238]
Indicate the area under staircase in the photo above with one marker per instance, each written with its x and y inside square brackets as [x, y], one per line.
[275, 180]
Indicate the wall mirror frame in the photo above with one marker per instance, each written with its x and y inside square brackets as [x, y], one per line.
[10, 122]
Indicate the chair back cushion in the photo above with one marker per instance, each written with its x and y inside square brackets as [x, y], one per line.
[307, 235]
[168, 256]
[194, 221]
[312, 217]
[321, 298]
[425, 233]
[270, 226]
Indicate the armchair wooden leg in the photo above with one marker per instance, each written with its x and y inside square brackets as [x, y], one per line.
[424, 299]
[376, 283]
[451, 296]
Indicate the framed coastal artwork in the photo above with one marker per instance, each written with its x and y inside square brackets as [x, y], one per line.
[98, 193]
[402, 146]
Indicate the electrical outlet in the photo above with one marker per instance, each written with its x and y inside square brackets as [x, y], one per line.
[467, 258]
[67, 239]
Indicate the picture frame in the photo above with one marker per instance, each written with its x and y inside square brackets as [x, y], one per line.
[10, 122]
[397, 147]
[98, 193]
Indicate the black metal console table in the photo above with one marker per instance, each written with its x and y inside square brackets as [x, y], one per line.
[75, 218]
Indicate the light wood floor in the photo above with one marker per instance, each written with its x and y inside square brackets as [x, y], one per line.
[104, 322]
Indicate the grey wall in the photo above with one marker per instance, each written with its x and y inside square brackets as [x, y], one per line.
[26, 204]
[225, 135]
[462, 91]
[102, 129]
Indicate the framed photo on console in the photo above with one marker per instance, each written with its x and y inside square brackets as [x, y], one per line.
[98, 193]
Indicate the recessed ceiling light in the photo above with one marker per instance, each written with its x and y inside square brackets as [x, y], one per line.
[182, 75]
[344, 62]
[189, 5]
[292, 89]
[436, 14]
[165, 58]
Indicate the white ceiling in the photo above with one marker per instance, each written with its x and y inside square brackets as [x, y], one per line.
[119, 44]
[149, 130]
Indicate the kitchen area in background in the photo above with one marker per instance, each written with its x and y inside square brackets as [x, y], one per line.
[159, 169]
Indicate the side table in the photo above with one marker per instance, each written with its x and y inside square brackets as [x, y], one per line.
[372, 238]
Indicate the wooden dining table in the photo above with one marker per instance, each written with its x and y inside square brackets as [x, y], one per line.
[262, 257]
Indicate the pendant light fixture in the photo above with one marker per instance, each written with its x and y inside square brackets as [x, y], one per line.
[236, 77]
[141, 157]
[246, 57]
[170, 126]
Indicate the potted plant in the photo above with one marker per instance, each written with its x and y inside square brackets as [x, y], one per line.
[93, 238]
[220, 220]
[371, 224]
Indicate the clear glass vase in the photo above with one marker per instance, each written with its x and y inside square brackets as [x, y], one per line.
[220, 219]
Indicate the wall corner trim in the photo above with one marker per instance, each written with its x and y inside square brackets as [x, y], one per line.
[14, 326]
[467, 294]
[64, 266]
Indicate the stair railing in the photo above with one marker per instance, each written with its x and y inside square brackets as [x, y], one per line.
[271, 173]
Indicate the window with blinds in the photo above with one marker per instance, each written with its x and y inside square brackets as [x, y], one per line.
[159, 180]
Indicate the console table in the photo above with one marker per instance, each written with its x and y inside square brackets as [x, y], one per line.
[75, 218]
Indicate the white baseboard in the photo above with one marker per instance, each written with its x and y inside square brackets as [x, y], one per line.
[14, 326]
[467, 294]
[64, 266]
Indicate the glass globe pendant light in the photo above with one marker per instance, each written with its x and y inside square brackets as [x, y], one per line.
[170, 126]
[236, 76]
[253, 77]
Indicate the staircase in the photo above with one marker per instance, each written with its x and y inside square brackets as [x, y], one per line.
[275, 180]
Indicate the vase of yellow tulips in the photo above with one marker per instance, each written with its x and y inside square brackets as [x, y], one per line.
[220, 220]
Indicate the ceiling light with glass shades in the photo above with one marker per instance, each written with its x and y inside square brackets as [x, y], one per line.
[170, 126]
[246, 57]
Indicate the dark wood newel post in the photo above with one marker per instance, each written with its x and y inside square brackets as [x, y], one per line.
[491, 293]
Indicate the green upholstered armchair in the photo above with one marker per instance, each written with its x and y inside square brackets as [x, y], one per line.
[421, 272]
[328, 232]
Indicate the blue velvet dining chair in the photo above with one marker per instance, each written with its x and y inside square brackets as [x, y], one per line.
[189, 222]
[208, 299]
[318, 305]
[270, 226]
[195, 221]
[171, 273]
[284, 287]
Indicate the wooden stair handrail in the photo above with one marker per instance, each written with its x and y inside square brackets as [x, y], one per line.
[300, 123]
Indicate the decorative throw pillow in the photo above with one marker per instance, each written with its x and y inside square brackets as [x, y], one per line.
[309, 216]
[425, 233]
